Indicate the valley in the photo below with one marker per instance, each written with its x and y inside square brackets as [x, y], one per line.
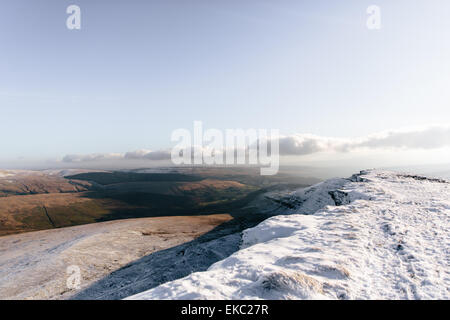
[113, 225]
[40, 200]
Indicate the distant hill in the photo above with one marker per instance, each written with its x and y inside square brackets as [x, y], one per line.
[39, 200]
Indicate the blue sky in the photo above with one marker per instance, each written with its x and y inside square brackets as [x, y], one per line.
[137, 70]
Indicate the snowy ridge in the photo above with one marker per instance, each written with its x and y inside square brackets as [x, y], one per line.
[377, 235]
[304, 200]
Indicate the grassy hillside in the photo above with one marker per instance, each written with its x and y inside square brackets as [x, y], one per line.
[32, 200]
[38, 202]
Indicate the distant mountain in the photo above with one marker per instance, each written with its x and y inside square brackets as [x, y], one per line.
[376, 235]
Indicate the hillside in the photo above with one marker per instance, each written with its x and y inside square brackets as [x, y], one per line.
[40, 200]
[34, 264]
[376, 235]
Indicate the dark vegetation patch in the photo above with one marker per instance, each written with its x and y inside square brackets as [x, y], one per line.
[106, 178]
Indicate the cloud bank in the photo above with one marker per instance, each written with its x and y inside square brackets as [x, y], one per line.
[432, 137]
[425, 138]
[134, 155]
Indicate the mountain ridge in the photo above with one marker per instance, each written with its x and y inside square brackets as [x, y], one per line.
[376, 235]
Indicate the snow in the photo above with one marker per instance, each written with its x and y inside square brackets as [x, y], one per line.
[6, 173]
[110, 255]
[376, 235]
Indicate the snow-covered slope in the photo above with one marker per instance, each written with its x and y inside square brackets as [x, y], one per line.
[377, 235]
[304, 201]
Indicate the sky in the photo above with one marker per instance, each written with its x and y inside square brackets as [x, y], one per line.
[138, 70]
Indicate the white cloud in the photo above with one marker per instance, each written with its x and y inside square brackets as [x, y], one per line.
[425, 138]
[133, 155]
[432, 137]
[138, 154]
[91, 157]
